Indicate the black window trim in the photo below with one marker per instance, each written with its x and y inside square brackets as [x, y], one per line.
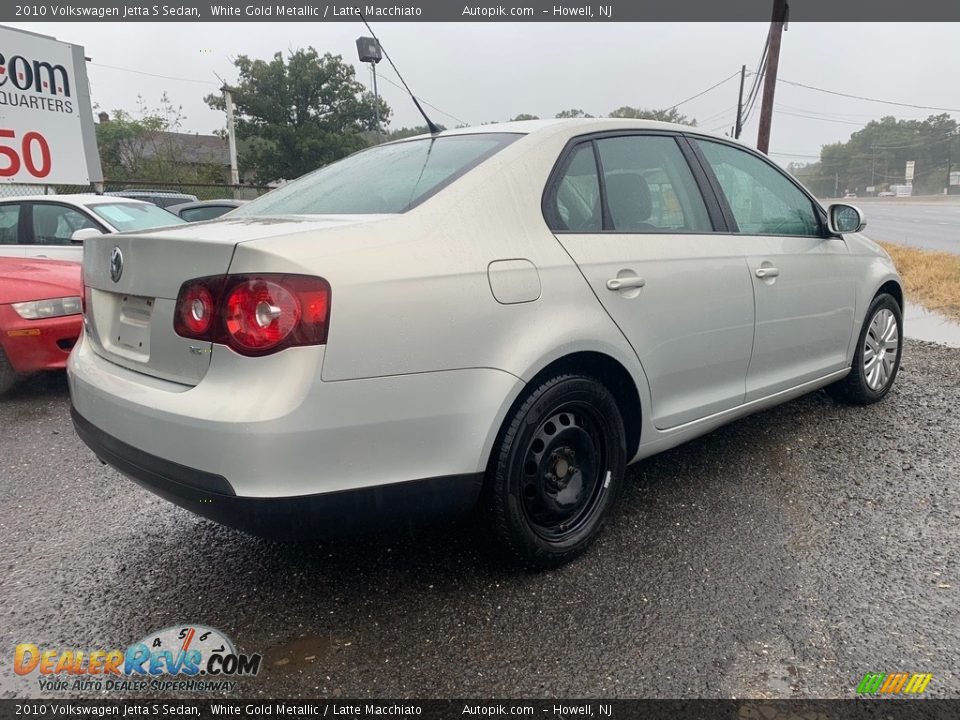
[560, 166]
[693, 139]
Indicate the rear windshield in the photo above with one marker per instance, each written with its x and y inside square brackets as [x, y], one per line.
[384, 179]
[135, 216]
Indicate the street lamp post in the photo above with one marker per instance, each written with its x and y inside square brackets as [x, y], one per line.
[369, 51]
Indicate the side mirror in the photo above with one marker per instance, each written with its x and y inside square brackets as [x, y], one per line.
[84, 234]
[843, 219]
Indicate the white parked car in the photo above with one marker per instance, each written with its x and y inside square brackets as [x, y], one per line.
[55, 226]
[505, 315]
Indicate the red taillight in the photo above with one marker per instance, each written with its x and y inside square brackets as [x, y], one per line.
[195, 315]
[255, 314]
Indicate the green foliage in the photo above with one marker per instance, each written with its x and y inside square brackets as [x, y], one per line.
[143, 146]
[572, 113]
[877, 156]
[406, 132]
[298, 113]
[525, 116]
[671, 115]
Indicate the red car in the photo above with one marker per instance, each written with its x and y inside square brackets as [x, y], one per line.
[40, 315]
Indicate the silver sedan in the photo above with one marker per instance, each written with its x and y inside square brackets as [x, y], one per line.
[502, 316]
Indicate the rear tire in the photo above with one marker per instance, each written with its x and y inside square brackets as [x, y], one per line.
[7, 374]
[556, 471]
[877, 358]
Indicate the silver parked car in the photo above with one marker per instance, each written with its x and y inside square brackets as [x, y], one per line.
[506, 315]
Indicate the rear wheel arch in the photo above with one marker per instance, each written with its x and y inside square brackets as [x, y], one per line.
[606, 370]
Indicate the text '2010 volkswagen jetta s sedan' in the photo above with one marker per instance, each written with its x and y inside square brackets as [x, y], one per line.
[503, 316]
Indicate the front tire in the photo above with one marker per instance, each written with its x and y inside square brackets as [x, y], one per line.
[877, 358]
[556, 471]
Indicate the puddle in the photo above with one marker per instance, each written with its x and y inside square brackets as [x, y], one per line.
[922, 324]
[300, 653]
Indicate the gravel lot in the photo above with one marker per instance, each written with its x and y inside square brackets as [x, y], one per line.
[781, 556]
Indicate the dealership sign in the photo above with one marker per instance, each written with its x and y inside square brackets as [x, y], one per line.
[46, 121]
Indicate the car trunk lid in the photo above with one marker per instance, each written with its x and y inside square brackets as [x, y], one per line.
[132, 282]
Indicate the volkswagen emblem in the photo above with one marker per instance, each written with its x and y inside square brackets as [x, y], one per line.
[116, 264]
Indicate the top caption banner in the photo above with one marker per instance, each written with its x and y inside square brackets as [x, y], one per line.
[453, 11]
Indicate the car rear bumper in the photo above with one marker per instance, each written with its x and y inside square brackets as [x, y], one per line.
[263, 438]
[345, 511]
[32, 345]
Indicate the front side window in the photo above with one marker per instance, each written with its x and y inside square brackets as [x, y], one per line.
[762, 199]
[384, 179]
[55, 224]
[649, 186]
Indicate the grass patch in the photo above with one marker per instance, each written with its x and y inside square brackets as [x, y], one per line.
[931, 279]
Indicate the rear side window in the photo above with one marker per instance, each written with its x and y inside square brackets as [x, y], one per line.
[762, 199]
[647, 187]
[650, 187]
[9, 223]
[576, 198]
[384, 179]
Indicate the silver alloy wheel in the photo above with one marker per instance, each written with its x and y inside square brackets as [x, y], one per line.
[880, 348]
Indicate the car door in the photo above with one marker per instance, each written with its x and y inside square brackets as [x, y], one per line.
[52, 225]
[11, 229]
[629, 210]
[803, 279]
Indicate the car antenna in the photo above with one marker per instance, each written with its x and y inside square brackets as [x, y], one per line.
[434, 129]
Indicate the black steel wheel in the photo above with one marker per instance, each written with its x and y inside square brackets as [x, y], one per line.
[556, 471]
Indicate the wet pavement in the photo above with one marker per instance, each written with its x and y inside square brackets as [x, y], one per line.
[783, 555]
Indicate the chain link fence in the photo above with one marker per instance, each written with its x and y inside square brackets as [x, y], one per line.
[202, 191]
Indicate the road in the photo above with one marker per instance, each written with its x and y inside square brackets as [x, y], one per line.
[784, 555]
[929, 225]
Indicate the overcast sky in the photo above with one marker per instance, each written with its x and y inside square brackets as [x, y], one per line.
[479, 72]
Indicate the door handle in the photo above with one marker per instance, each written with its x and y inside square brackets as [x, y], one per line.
[767, 272]
[625, 283]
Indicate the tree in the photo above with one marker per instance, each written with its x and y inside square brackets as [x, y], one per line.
[405, 132]
[525, 116]
[876, 156]
[299, 113]
[572, 113]
[671, 115]
[144, 146]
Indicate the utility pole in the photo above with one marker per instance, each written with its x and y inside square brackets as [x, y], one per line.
[739, 126]
[231, 141]
[777, 22]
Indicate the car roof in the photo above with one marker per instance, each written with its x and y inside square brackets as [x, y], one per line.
[165, 193]
[573, 127]
[73, 199]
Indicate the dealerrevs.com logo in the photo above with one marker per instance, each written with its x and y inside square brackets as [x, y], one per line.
[179, 658]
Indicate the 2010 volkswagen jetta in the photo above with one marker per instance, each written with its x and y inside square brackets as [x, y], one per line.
[506, 316]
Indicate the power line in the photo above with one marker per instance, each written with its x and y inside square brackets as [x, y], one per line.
[868, 99]
[704, 92]
[442, 112]
[164, 77]
[813, 117]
